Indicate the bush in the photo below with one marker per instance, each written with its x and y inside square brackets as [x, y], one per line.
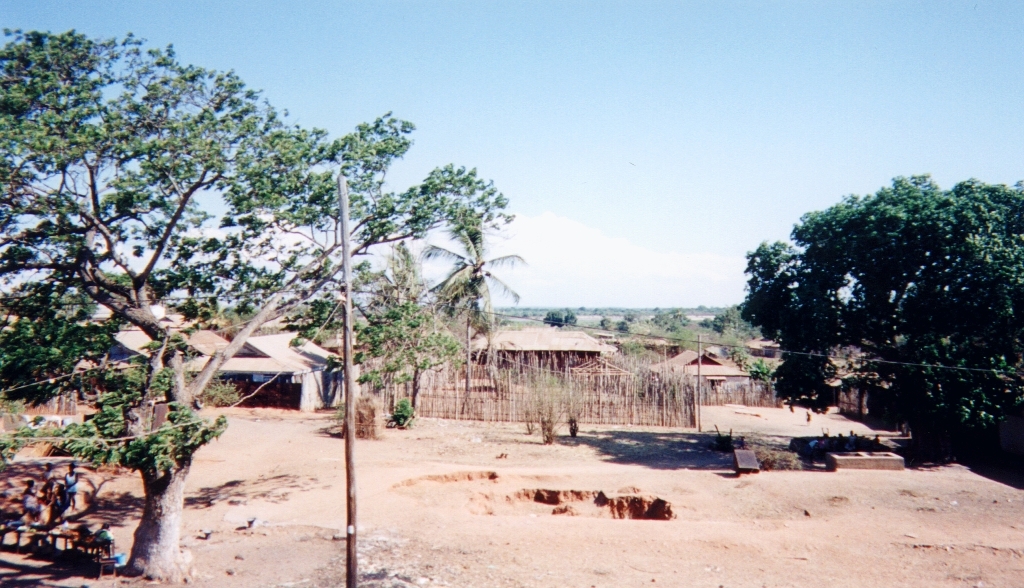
[220, 393]
[402, 415]
[550, 404]
[773, 458]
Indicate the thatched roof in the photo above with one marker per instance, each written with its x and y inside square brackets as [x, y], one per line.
[543, 339]
[712, 367]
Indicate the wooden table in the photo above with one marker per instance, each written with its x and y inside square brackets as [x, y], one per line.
[67, 535]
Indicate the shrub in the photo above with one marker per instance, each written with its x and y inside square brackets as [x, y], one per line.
[773, 458]
[403, 414]
[220, 393]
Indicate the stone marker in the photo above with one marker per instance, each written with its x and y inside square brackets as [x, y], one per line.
[745, 462]
[863, 460]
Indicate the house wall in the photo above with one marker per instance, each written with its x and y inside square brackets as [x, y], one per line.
[320, 390]
[281, 393]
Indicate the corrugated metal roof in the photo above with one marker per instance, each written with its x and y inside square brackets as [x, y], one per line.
[264, 354]
[281, 357]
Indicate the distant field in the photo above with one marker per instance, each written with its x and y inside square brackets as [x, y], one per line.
[588, 314]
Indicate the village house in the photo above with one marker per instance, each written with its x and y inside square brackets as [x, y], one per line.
[714, 371]
[548, 347]
[285, 376]
[765, 348]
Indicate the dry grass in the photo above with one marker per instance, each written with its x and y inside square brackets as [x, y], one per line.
[775, 458]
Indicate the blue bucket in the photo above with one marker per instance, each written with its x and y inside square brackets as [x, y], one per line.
[120, 559]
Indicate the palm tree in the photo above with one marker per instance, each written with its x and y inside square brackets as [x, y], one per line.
[467, 288]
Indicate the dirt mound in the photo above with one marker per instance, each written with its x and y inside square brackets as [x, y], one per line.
[576, 503]
[450, 478]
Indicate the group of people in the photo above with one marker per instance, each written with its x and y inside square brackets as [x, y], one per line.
[58, 494]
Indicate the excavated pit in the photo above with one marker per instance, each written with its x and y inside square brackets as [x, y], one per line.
[473, 476]
[597, 503]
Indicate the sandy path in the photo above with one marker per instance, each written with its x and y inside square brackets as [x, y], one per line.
[431, 512]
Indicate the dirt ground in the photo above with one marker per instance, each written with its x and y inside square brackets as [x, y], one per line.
[450, 503]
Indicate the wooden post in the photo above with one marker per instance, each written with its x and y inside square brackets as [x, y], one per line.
[469, 356]
[351, 570]
[696, 402]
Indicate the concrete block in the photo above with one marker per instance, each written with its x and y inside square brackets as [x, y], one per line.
[863, 460]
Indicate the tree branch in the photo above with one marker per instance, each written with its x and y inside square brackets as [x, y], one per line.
[186, 197]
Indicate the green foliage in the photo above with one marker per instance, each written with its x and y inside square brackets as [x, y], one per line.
[730, 321]
[622, 326]
[114, 436]
[761, 371]
[220, 393]
[558, 318]
[632, 347]
[128, 177]
[408, 339]
[467, 287]
[912, 274]
[403, 414]
[45, 333]
[401, 332]
[672, 321]
[606, 323]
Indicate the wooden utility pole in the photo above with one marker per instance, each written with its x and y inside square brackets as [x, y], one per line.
[351, 570]
[696, 397]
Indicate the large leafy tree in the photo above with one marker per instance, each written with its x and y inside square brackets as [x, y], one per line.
[129, 178]
[909, 279]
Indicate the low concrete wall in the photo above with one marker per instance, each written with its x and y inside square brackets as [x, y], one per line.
[863, 460]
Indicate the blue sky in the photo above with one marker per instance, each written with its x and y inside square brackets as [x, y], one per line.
[645, 146]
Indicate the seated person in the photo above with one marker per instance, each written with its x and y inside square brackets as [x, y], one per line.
[103, 535]
[30, 503]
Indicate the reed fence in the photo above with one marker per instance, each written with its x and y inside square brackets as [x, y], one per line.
[636, 395]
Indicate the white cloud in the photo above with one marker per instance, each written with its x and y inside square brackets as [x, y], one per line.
[571, 264]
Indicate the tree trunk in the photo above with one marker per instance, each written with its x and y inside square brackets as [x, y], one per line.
[156, 553]
[415, 387]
